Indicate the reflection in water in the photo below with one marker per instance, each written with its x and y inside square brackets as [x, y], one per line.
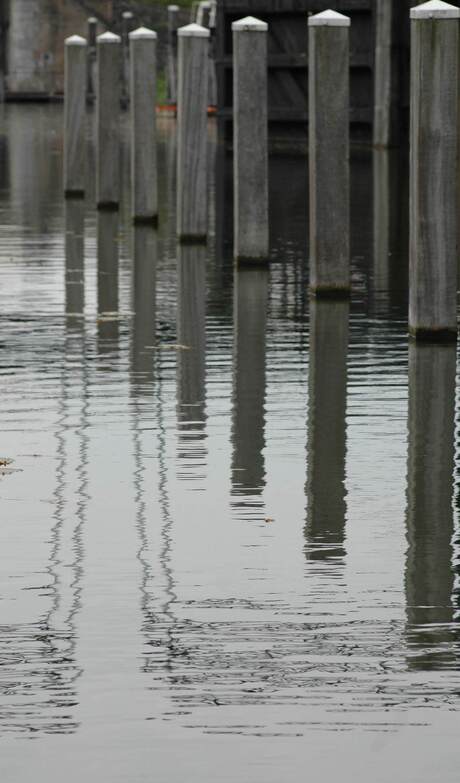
[74, 256]
[144, 326]
[429, 571]
[250, 323]
[326, 505]
[107, 276]
[191, 359]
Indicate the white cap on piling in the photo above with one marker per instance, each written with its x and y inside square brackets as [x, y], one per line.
[193, 30]
[329, 18]
[108, 37]
[251, 24]
[142, 32]
[92, 20]
[127, 14]
[173, 7]
[75, 40]
[435, 9]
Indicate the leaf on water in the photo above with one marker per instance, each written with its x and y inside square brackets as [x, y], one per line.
[4, 461]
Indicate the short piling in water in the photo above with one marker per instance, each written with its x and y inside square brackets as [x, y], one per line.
[329, 166]
[250, 137]
[108, 121]
[434, 172]
[143, 74]
[75, 116]
[192, 142]
[171, 56]
[91, 60]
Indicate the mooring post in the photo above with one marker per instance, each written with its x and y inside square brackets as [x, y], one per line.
[173, 24]
[91, 59]
[108, 121]
[75, 116]
[192, 142]
[143, 75]
[434, 171]
[126, 27]
[383, 73]
[329, 165]
[250, 140]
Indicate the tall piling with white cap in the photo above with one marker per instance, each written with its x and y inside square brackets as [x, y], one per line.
[108, 121]
[434, 171]
[250, 136]
[329, 166]
[192, 143]
[143, 76]
[75, 116]
[171, 56]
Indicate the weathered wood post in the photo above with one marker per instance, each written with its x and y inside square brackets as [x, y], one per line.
[92, 59]
[250, 136]
[383, 72]
[143, 75]
[75, 116]
[192, 142]
[173, 24]
[434, 171]
[329, 110]
[126, 27]
[108, 121]
[144, 294]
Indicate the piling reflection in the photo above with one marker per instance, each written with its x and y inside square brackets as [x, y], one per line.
[429, 576]
[145, 241]
[107, 276]
[326, 446]
[74, 256]
[191, 359]
[249, 381]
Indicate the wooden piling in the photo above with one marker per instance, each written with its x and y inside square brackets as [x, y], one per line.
[192, 196]
[75, 116]
[126, 27]
[434, 171]
[91, 59]
[383, 73]
[143, 75]
[173, 24]
[250, 135]
[329, 177]
[74, 257]
[108, 121]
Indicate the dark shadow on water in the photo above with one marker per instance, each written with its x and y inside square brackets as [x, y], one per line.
[326, 445]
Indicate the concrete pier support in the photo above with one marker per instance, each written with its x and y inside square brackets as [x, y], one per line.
[108, 121]
[75, 116]
[250, 135]
[434, 171]
[143, 76]
[192, 142]
[329, 113]
[173, 24]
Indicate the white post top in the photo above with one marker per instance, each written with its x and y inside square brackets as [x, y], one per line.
[251, 24]
[142, 32]
[92, 20]
[435, 9]
[108, 37]
[75, 40]
[330, 18]
[173, 8]
[127, 14]
[193, 30]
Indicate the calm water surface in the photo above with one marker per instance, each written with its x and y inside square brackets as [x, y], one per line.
[229, 538]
